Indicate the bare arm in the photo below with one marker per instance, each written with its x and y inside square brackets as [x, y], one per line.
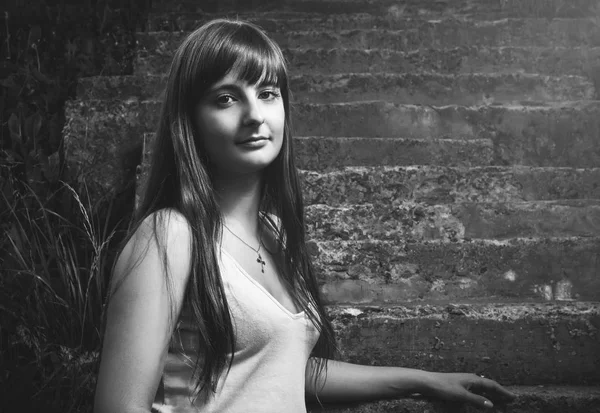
[345, 382]
[353, 382]
[138, 328]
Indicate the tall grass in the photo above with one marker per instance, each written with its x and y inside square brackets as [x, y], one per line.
[55, 262]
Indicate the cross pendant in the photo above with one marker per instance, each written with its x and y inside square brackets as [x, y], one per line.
[261, 262]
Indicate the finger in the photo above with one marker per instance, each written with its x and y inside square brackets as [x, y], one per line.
[491, 386]
[477, 400]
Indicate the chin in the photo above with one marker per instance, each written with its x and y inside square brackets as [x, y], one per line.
[259, 160]
[245, 166]
[259, 166]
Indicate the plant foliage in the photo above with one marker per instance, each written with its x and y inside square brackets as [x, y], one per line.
[56, 247]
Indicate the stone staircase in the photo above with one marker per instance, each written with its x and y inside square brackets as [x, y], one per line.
[451, 158]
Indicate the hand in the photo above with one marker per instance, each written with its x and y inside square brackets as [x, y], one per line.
[467, 388]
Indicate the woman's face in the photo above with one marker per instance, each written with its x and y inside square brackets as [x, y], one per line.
[241, 125]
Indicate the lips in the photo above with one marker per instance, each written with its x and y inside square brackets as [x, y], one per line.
[252, 139]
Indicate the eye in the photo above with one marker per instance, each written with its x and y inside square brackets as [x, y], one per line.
[225, 100]
[269, 94]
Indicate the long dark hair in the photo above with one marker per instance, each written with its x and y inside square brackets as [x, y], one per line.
[180, 179]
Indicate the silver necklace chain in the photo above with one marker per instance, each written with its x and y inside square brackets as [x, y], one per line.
[259, 259]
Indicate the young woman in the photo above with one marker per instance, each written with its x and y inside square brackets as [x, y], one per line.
[214, 304]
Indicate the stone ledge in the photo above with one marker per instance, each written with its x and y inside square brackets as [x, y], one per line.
[438, 90]
[449, 34]
[495, 8]
[459, 221]
[284, 21]
[464, 59]
[530, 399]
[380, 272]
[410, 34]
[515, 123]
[520, 343]
[324, 153]
[425, 35]
[440, 185]
[500, 8]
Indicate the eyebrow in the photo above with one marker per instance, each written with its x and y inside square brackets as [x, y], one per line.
[216, 88]
[237, 86]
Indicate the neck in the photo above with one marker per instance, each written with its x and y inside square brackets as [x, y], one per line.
[239, 200]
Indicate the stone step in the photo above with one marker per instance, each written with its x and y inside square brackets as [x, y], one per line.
[580, 61]
[408, 88]
[323, 153]
[173, 21]
[272, 21]
[436, 89]
[449, 34]
[435, 36]
[375, 271]
[557, 135]
[443, 185]
[497, 8]
[560, 135]
[367, 31]
[516, 123]
[530, 399]
[465, 59]
[417, 36]
[569, 31]
[411, 221]
[564, 134]
[521, 343]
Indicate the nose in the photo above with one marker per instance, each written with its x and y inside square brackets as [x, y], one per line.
[253, 115]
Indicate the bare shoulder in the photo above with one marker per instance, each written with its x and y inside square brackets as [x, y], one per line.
[147, 294]
[165, 224]
[161, 243]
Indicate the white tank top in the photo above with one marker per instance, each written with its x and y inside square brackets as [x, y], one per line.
[272, 346]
